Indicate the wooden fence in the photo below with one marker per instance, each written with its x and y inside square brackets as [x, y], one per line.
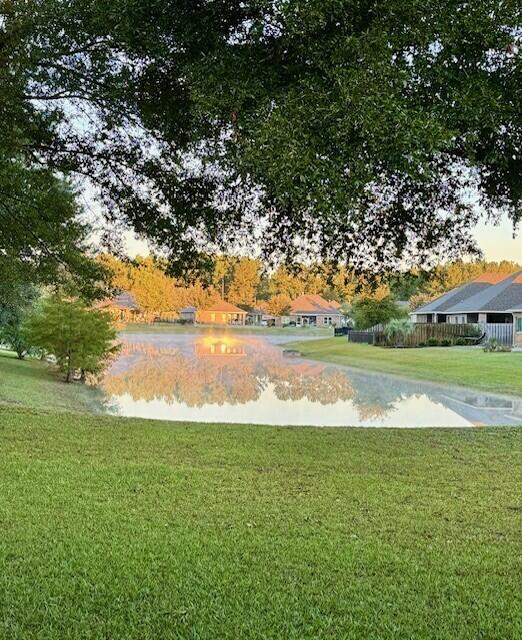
[363, 337]
[424, 332]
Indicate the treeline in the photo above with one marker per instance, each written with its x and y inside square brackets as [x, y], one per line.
[242, 281]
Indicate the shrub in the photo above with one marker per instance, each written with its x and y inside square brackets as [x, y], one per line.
[494, 346]
[80, 338]
[445, 342]
[433, 342]
[397, 330]
[461, 342]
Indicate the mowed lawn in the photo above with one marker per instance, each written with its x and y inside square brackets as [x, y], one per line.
[466, 366]
[114, 528]
[119, 528]
[31, 383]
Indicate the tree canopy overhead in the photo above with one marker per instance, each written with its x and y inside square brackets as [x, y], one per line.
[350, 129]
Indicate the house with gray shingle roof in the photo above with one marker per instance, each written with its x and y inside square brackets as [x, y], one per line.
[492, 298]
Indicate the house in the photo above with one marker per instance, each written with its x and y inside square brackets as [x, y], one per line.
[517, 326]
[123, 307]
[222, 313]
[314, 310]
[188, 314]
[255, 316]
[490, 299]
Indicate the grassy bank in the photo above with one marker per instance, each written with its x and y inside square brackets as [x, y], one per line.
[118, 528]
[292, 332]
[31, 383]
[465, 366]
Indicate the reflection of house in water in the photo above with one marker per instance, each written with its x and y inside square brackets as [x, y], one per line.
[222, 369]
[220, 347]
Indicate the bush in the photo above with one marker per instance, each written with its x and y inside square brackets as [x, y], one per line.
[397, 330]
[494, 346]
[445, 342]
[461, 342]
[433, 342]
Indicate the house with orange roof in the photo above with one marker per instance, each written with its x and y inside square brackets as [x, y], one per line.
[314, 310]
[222, 312]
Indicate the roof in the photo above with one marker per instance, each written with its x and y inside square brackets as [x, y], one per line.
[313, 304]
[503, 296]
[490, 292]
[188, 310]
[456, 300]
[223, 306]
[123, 300]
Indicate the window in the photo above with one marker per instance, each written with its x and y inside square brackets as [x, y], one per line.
[519, 324]
[212, 317]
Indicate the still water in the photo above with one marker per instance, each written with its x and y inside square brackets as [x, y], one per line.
[226, 377]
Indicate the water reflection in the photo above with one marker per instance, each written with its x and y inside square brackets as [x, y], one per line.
[248, 379]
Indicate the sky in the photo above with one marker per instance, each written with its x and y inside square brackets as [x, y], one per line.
[496, 242]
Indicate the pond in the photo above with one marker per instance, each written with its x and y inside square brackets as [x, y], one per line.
[238, 378]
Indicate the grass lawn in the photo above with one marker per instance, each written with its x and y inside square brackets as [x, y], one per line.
[205, 328]
[128, 529]
[120, 528]
[465, 366]
[31, 383]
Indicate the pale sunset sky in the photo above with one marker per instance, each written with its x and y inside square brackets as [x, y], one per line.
[496, 242]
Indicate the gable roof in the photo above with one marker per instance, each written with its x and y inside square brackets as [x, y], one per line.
[503, 296]
[123, 301]
[456, 300]
[313, 304]
[224, 307]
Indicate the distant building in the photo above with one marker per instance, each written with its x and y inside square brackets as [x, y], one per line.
[255, 316]
[314, 310]
[123, 307]
[490, 299]
[222, 313]
[188, 314]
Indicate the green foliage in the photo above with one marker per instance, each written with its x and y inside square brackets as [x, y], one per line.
[16, 300]
[316, 118]
[397, 329]
[433, 342]
[494, 346]
[368, 312]
[81, 339]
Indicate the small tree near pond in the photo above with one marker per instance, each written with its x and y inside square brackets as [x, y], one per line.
[80, 338]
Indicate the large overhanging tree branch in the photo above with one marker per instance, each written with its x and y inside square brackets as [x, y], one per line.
[352, 131]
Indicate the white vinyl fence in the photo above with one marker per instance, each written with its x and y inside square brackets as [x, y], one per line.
[501, 332]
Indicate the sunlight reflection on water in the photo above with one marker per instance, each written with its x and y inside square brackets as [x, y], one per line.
[248, 379]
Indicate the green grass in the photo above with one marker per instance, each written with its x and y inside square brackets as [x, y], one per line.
[465, 366]
[205, 328]
[132, 529]
[31, 383]
[120, 528]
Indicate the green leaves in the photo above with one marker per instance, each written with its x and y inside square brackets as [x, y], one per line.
[81, 339]
[353, 131]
